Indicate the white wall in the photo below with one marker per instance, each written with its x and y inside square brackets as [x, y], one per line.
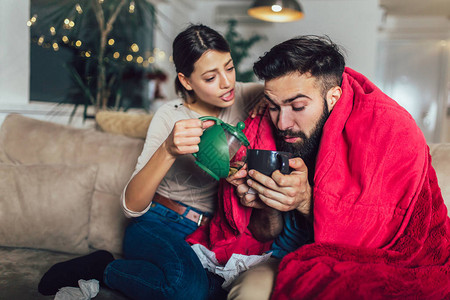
[14, 51]
[353, 24]
[414, 69]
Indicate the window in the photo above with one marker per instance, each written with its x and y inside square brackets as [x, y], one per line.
[68, 53]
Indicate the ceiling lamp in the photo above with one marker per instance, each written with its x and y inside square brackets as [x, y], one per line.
[276, 10]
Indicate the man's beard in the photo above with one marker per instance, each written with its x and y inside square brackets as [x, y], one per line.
[306, 148]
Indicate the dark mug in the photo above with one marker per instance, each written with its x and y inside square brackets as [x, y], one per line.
[267, 161]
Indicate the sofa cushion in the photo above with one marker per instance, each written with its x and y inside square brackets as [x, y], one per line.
[440, 159]
[119, 122]
[21, 269]
[25, 140]
[46, 206]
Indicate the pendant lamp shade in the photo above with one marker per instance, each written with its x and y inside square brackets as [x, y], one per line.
[276, 10]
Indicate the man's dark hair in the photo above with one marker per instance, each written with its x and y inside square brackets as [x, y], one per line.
[316, 55]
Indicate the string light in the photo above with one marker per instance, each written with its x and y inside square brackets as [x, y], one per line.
[161, 55]
[134, 47]
[32, 21]
[78, 8]
[131, 7]
[145, 60]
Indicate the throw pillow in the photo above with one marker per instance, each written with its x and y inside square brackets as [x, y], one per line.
[128, 124]
[46, 206]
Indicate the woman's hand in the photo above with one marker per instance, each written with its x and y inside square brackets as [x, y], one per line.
[259, 108]
[246, 196]
[185, 136]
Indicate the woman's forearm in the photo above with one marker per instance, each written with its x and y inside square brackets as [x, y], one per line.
[141, 189]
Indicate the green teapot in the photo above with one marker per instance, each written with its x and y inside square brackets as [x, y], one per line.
[218, 144]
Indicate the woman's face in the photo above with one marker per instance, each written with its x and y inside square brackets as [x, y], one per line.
[212, 81]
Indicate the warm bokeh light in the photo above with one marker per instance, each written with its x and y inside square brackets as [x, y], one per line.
[78, 43]
[129, 57]
[276, 8]
[79, 9]
[116, 55]
[134, 48]
[161, 55]
[111, 42]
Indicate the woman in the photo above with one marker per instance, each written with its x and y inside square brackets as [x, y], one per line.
[168, 195]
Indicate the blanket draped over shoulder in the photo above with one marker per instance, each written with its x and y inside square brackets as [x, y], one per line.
[380, 224]
[227, 232]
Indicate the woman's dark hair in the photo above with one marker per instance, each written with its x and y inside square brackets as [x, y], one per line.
[189, 46]
[312, 54]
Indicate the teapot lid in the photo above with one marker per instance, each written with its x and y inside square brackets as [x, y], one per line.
[237, 132]
[234, 130]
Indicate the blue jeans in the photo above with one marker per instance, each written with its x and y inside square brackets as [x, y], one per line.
[158, 263]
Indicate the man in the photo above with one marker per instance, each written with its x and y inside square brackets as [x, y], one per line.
[380, 225]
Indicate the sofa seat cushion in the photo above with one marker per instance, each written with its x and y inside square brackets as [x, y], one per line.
[21, 270]
[46, 206]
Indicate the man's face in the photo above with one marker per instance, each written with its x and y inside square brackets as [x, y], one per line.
[299, 111]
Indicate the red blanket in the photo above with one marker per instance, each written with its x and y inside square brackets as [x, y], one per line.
[380, 224]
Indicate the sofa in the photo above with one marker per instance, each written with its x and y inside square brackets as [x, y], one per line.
[60, 197]
[60, 193]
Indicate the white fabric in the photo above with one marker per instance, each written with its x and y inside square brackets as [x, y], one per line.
[87, 289]
[185, 181]
[237, 263]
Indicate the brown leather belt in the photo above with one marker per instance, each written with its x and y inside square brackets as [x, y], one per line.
[192, 215]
